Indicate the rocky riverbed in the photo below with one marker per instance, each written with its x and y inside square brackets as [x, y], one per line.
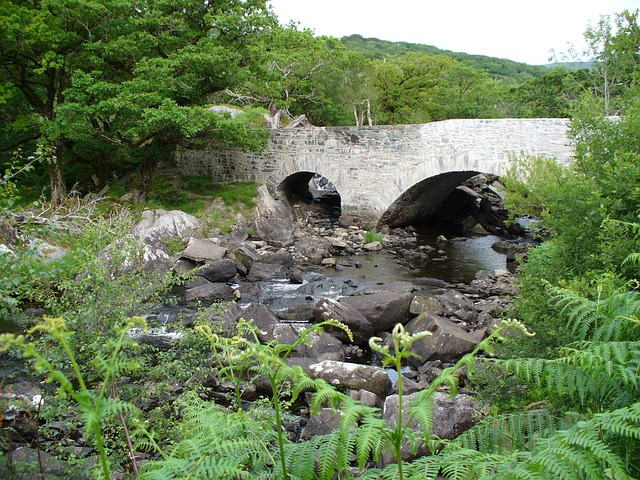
[300, 266]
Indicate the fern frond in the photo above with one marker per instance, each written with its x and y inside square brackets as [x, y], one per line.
[327, 395]
[586, 449]
[370, 439]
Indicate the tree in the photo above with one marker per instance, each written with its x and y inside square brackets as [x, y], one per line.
[552, 95]
[119, 81]
[418, 88]
[284, 64]
[616, 55]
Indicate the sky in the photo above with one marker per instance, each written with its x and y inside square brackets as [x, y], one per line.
[520, 30]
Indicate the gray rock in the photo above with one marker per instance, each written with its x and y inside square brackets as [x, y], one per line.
[325, 422]
[246, 254]
[455, 302]
[426, 304]
[26, 464]
[263, 318]
[372, 246]
[149, 238]
[274, 220]
[275, 231]
[383, 310]
[322, 347]
[353, 376]
[221, 270]
[266, 271]
[203, 250]
[313, 249]
[208, 293]
[280, 257]
[448, 342]
[327, 309]
[223, 111]
[366, 398]
[452, 416]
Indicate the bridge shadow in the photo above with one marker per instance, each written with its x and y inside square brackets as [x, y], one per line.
[311, 189]
[433, 197]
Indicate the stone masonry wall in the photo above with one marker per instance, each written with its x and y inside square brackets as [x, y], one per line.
[372, 166]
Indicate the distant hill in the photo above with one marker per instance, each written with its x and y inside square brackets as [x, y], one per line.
[500, 67]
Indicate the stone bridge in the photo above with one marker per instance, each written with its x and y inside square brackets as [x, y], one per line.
[397, 174]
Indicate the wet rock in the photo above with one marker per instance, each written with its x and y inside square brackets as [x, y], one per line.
[372, 246]
[209, 292]
[221, 270]
[326, 309]
[329, 262]
[383, 310]
[447, 342]
[353, 376]
[298, 312]
[389, 287]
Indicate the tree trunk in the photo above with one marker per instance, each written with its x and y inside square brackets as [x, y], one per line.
[56, 179]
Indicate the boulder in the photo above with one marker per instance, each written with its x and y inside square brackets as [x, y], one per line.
[447, 342]
[353, 375]
[456, 303]
[209, 292]
[246, 254]
[263, 318]
[149, 238]
[452, 416]
[383, 310]
[266, 271]
[426, 304]
[273, 220]
[221, 270]
[322, 347]
[203, 250]
[275, 231]
[279, 257]
[313, 249]
[326, 309]
[325, 422]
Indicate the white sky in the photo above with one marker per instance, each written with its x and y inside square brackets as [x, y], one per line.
[520, 30]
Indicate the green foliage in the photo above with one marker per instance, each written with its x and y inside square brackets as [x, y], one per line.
[237, 192]
[373, 237]
[97, 407]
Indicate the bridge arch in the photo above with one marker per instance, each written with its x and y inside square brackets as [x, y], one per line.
[311, 187]
[423, 199]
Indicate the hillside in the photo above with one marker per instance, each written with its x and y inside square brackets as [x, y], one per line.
[501, 67]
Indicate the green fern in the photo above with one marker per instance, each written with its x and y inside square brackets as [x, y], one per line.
[612, 317]
[216, 444]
